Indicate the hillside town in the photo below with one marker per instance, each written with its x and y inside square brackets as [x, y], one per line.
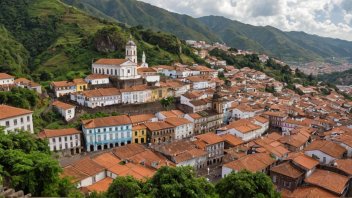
[217, 124]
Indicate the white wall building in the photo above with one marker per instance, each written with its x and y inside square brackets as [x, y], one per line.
[183, 127]
[136, 95]
[6, 79]
[66, 110]
[13, 118]
[97, 79]
[66, 141]
[98, 97]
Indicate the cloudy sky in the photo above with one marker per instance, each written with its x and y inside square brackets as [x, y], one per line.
[332, 18]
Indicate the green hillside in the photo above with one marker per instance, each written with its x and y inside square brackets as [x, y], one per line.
[47, 38]
[289, 46]
[338, 78]
[135, 13]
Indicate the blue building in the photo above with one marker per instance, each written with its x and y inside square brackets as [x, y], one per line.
[108, 132]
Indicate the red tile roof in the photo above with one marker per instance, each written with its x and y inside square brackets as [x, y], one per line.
[9, 111]
[49, 133]
[106, 121]
[5, 76]
[62, 105]
[106, 61]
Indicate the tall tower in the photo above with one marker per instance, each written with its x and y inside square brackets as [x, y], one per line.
[144, 64]
[131, 51]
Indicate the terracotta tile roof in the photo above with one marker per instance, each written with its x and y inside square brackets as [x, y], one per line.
[327, 147]
[100, 186]
[203, 68]
[141, 118]
[74, 174]
[63, 83]
[308, 192]
[139, 127]
[232, 139]
[275, 114]
[190, 154]
[175, 121]
[101, 92]
[156, 126]
[209, 138]
[96, 76]
[146, 70]
[9, 111]
[24, 81]
[137, 171]
[195, 115]
[62, 105]
[127, 151]
[49, 133]
[328, 180]
[288, 170]
[135, 88]
[88, 166]
[79, 81]
[106, 61]
[243, 126]
[261, 119]
[255, 162]
[345, 165]
[172, 113]
[305, 161]
[5, 76]
[106, 121]
[106, 160]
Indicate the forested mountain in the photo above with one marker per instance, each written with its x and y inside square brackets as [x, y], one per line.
[49, 39]
[289, 46]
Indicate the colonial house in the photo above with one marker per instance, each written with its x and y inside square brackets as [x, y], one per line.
[13, 118]
[162, 115]
[98, 97]
[97, 79]
[159, 92]
[136, 95]
[85, 172]
[25, 83]
[149, 74]
[184, 153]
[287, 175]
[6, 79]
[325, 151]
[183, 127]
[160, 132]
[62, 88]
[213, 145]
[66, 110]
[107, 132]
[242, 111]
[200, 82]
[139, 134]
[276, 119]
[258, 162]
[205, 71]
[142, 119]
[81, 85]
[244, 129]
[205, 121]
[63, 141]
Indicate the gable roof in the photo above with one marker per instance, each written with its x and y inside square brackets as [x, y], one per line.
[9, 111]
[254, 162]
[288, 170]
[49, 133]
[327, 147]
[62, 105]
[5, 76]
[106, 121]
[110, 61]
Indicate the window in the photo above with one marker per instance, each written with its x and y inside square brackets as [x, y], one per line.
[111, 136]
[28, 119]
[7, 123]
[70, 137]
[22, 120]
[59, 139]
[65, 138]
[15, 121]
[135, 133]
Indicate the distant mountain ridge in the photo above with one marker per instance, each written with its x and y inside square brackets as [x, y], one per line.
[289, 46]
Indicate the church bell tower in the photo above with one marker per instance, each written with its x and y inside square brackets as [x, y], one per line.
[131, 51]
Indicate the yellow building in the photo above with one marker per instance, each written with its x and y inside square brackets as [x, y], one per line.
[139, 134]
[81, 85]
[159, 93]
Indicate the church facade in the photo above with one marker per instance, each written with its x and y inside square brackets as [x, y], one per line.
[122, 69]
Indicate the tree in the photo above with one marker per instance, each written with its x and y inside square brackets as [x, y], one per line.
[246, 184]
[125, 187]
[26, 164]
[179, 182]
[167, 102]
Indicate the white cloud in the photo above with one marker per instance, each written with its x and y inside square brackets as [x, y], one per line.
[331, 18]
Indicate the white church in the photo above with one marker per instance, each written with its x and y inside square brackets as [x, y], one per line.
[123, 69]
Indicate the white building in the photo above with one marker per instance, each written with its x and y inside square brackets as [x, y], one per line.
[65, 141]
[66, 110]
[98, 97]
[6, 79]
[325, 151]
[62, 88]
[183, 127]
[136, 95]
[123, 69]
[97, 79]
[149, 74]
[25, 83]
[13, 118]
[242, 112]
[244, 129]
